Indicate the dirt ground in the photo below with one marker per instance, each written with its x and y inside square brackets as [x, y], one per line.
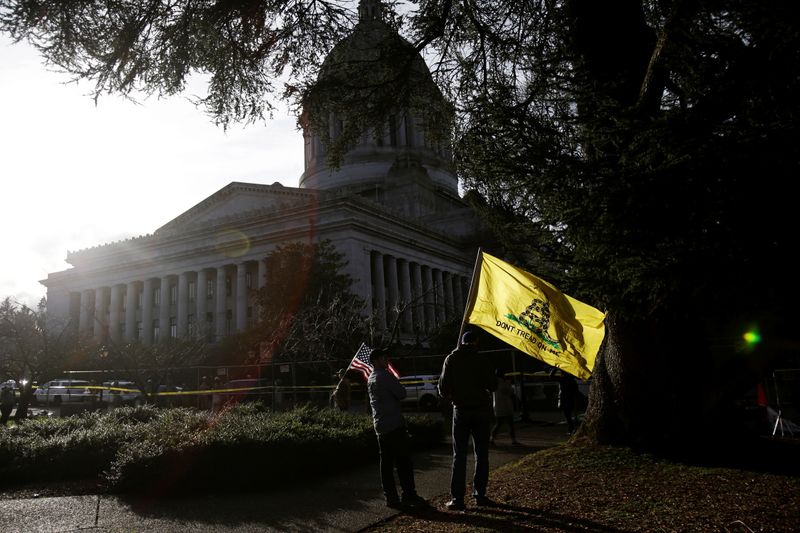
[573, 488]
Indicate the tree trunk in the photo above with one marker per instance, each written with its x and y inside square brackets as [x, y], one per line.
[632, 391]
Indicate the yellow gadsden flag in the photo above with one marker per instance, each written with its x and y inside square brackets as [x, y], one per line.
[535, 317]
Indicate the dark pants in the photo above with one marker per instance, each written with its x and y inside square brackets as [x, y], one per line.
[394, 450]
[499, 422]
[5, 413]
[466, 423]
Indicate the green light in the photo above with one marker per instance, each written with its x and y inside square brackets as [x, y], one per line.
[752, 337]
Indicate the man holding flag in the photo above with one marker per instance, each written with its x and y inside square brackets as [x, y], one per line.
[467, 380]
[385, 395]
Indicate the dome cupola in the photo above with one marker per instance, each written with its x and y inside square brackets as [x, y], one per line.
[375, 122]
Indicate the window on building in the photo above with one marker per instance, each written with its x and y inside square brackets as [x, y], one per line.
[138, 330]
[228, 322]
[248, 279]
[210, 327]
[173, 327]
[210, 289]
[157, 296]
[156, 331]
[228, 286]
[122, 329]
[140, 299]
[124, 298]
[192, 325]
[192, 291]
[173, 294]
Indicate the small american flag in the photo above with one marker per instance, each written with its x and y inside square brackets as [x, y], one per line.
[361, 362]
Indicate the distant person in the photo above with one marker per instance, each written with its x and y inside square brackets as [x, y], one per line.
[467, 381]
[385, 394]
[567, 394]
[7, 402]
[204, 398]
[340, 397]
[217, 398]
[503, 402]
[116, 398]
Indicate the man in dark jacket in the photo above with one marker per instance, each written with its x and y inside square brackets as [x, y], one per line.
[385, 394]
[467, 380]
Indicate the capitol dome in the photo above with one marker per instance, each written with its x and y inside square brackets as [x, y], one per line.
[375, 124]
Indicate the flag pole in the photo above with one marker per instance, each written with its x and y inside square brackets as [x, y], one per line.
[471, 294]
[346, 370]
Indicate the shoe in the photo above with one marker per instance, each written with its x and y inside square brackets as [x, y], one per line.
[414, 500]
[484, 501]
[394, 504]
[455, 505]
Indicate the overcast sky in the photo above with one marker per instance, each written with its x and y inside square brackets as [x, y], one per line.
[74, 174]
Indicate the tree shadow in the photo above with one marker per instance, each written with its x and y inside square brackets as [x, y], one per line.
[504, 517]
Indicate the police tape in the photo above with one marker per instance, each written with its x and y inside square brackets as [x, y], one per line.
[228, 390]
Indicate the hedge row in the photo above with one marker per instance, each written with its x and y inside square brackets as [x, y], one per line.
[136, 449]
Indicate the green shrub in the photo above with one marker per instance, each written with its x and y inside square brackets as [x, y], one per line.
[178, 450]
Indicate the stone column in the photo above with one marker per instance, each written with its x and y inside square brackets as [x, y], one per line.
[358, 266]
[416, 294]
[202, 296]
[220, 295]
[449, 299]
[262, 273]
[378, 290]
[100, 320]
[241, 296]
[429, 297]
[130, 311]
[114, 312]
[85, 312]
[391, 281]
[147, 312]
[460, 295]
[163, 309]
[183, 304]
[406, 319]
[438, 283]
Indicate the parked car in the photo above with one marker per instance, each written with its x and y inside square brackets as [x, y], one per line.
[61, 391]
[421, 391]
[251, 390]
[131, 395]
[541, 392]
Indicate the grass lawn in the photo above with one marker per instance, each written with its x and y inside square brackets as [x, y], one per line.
[578, 488]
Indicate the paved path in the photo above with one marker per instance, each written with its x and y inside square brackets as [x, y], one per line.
[343, 503]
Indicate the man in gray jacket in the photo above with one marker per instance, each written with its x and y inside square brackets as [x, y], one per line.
[385, 394]
[467, 380]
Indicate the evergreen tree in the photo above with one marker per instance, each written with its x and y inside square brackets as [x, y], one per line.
[643, 153]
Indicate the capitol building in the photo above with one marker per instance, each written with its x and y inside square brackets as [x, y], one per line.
[391, 207]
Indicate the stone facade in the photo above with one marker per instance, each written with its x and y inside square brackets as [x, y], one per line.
[392, 208]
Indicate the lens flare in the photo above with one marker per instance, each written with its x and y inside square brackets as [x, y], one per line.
[233, 243]
[752, 337]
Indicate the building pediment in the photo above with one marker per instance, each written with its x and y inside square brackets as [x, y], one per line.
[235, 199]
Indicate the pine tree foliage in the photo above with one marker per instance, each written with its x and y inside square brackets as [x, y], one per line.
[247, 50]
[643, 152]
[307, 311]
